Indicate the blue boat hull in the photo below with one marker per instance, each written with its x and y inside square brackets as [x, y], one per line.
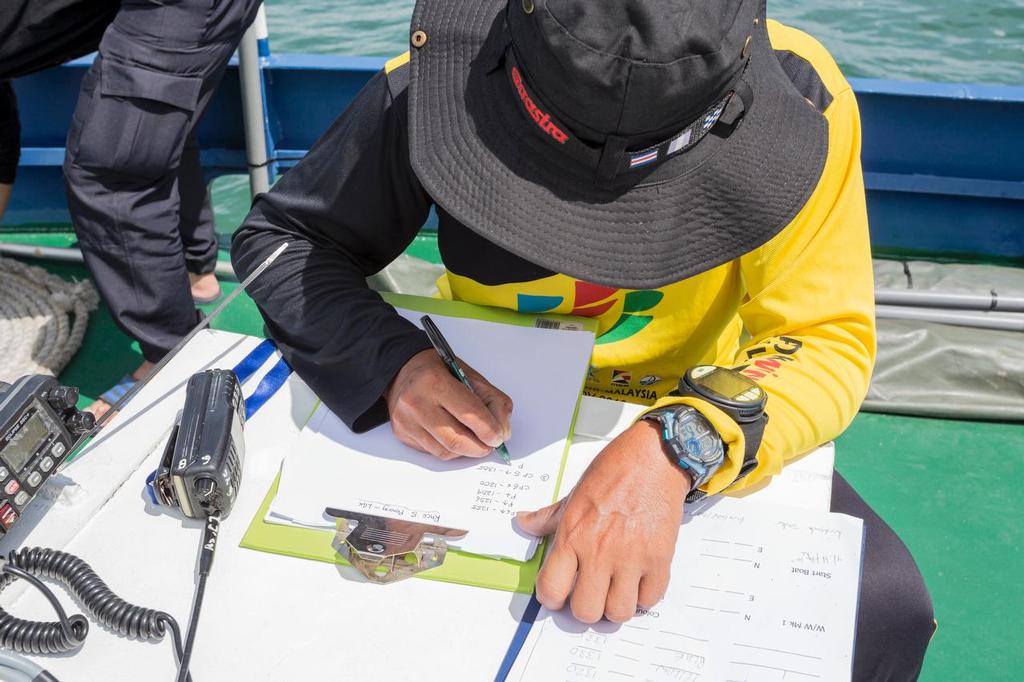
[944, 163]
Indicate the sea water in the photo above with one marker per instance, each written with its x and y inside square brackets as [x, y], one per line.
[981, 41]
[935, 40]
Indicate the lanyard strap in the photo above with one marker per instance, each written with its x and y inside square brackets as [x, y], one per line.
[273, 380]
[270, 383]
[254, 360]
[519, 638]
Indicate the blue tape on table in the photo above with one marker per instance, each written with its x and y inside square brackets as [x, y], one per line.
[519, 638]
[267, 387]
[254, 360]
[150, 480]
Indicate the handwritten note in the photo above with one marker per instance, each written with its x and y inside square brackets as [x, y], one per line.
[542, 370]
[758, 594]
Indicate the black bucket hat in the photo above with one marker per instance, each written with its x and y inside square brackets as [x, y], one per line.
[632, 143]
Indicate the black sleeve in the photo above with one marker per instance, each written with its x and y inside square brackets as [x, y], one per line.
[349, 208]
[10, 134]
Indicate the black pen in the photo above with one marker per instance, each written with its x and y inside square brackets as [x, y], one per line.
[448, 357]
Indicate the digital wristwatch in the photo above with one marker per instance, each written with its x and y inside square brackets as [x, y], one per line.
[693, 442]
[735, 394]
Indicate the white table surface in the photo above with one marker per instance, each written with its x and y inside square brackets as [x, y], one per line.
[265, 617]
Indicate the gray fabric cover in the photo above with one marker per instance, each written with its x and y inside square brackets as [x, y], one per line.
[937, 370]
[953, 278]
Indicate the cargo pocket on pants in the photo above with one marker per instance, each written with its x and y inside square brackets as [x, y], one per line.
[137, 121]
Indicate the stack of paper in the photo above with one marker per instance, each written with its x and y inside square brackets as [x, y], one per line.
[541, 369]
[759, 593]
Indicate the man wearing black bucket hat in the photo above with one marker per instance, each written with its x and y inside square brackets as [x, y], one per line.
[684, 171]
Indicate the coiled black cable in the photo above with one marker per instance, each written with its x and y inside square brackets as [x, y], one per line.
[32, 637]
[92, 593]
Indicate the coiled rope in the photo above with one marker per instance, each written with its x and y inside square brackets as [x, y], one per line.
[42, 319]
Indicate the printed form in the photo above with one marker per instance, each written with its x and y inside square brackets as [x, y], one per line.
[759, 593]
[542, 370]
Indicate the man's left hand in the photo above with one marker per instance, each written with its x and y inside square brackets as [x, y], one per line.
[615, 534]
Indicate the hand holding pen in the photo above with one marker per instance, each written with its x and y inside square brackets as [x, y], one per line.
[432, 410]
[451, 362]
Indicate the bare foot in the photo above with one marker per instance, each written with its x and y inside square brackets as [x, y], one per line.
[100, 407]
[204, 287]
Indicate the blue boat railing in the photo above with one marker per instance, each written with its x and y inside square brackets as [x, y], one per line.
[944, 163]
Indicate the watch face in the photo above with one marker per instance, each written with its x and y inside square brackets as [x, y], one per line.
[706, 451]
[698, 438]
[728, 385]
[737, 395]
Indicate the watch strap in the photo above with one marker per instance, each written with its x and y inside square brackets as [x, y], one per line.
[753, 433]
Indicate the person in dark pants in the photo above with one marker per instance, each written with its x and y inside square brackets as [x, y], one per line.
[685, 172]
[134, 184]
[10, 148]
[34, 35]
[895, 619]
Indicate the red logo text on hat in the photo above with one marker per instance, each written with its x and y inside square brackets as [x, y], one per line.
[542, 118]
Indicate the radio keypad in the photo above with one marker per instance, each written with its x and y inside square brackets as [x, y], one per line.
[7, 515]
[37, 428]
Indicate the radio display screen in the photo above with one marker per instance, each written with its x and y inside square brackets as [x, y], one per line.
[25, 442]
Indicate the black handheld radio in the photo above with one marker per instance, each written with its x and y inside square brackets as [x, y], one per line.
[202, 464]
[39, 427]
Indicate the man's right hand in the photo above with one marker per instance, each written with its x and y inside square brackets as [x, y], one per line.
[433, 412]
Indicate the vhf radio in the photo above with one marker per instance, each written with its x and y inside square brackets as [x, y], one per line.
[202, 464]
[39, 428]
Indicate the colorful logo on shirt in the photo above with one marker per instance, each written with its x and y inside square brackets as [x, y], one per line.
[765, 365]
[649, 380]
[621, 377]
[593, 300]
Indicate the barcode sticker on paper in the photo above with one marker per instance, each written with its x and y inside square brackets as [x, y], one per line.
[555, 324]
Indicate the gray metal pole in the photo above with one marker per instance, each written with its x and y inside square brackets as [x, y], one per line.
[937, 299]
[961, 318]
[71, 255]
[251, 82]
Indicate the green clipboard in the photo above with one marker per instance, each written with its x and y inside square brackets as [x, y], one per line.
[459, 567]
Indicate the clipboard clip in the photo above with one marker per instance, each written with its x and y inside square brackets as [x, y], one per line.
[387, 550]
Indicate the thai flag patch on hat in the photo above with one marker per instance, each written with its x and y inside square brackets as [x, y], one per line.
[643, 158]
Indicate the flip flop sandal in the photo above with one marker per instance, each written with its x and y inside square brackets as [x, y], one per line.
[118, 390]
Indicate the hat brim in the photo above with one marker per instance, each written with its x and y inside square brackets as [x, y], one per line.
[478, 159]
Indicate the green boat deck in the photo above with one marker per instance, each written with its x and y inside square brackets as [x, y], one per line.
[962, 523]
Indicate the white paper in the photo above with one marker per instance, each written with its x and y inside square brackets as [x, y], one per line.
[758, 594]
[542, 370]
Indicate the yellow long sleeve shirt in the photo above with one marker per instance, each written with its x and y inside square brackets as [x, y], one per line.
[796, 314]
